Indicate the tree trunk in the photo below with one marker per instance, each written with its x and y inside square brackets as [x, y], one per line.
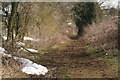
[12, 23]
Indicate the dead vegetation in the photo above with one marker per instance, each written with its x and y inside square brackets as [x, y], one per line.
[10, 68]
[102, 35]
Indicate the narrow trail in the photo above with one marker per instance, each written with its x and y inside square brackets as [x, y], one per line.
[74, 62]
[71, 61]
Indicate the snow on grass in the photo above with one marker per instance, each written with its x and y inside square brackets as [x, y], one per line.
[7, 55]
[2, 50]
[4, 37]
[31, 39]
[32, 50]
[28, 38]
[20, 43]
[32, 68]
[35, 69]
[29, 66]
[69, 23]
[25, 38]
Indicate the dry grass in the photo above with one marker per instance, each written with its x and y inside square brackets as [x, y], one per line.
[11, 68]
[102, 35]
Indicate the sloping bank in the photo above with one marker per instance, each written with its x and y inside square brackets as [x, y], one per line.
[29, 67]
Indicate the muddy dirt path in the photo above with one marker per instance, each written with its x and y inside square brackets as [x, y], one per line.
[74, 62]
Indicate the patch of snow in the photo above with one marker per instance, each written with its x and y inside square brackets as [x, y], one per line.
[29, 66]
[28, 38]
[31, 39]
[33, 68]
[22, 49]
[32, 50]
[14, 35]
[2, 13]
[20, 43]
[106, 54]
[2, 50]
[16, 58]
[69, 23]
[8, 55]
[8, 8]
[4, 37]
[25, 38]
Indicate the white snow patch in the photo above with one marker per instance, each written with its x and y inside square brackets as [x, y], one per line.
[31, 39]
[69, 23]
[20, 43]
[14, 35]
[4, 37]
[106, 54]
[2, 13]
[25, 38]
[32, 50]
[8, 8]
[2, 50]
[29, 66]
[33, 68]
[28, 38]
[8, 55]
